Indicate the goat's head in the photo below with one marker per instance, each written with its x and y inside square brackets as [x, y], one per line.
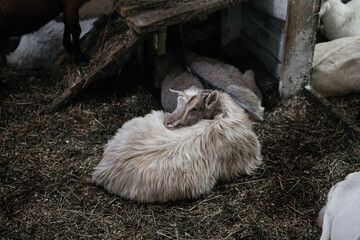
[193, 104]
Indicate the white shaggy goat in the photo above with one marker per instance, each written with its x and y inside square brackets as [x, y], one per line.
[340, 218]
[147, 162]
[339, 19]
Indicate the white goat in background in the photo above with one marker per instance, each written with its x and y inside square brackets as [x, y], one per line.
[339, 19]
[147, 162]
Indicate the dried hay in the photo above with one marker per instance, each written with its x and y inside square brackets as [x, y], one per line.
[44, 156]
[43, 159]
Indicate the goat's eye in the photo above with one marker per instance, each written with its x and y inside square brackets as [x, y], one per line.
[194, 109]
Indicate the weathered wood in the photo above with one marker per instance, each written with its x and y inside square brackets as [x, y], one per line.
[271, 63]
[231, 24]
[138, 2]
[301, 27]
[161, 41]
[275, 8]
[264, 30]
[95, 8]
[87, 75]
[153, 20]
[332, 110]
[131, 10]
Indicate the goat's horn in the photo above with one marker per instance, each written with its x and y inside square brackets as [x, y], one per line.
[174, 91]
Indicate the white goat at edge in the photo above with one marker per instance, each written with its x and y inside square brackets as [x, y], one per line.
[339, 19]
[340, 218]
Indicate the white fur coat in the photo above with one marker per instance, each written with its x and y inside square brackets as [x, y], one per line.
[147, 162]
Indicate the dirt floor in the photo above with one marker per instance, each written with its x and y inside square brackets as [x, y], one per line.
[44, 156]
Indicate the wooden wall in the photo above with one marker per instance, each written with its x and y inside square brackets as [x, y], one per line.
[261, 25]
[281, 33]
[263, 30]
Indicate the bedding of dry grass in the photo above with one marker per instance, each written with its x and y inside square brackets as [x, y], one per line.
[44, 156]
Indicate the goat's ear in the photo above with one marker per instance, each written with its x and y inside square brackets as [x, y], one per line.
[211, 99]
[249, 75]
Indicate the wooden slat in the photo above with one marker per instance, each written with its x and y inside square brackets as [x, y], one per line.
[231, 23]
[182, 11]
[275, 8]
[271, 63]
[131, 10]
[301, 27]
[137, 2]
[264, 30]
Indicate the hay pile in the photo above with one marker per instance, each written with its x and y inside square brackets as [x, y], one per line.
[44, 156]
[43, 159]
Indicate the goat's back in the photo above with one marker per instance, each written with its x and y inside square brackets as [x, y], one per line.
[147, 162]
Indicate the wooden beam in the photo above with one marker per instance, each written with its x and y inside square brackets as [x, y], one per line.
[131, 10]
[161, 48]
[266, 31]
[275, 8]
[271, 63]
[153, 20]
[301, 27]
[231, 24]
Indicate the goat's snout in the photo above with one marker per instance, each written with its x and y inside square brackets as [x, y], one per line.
[169, 121]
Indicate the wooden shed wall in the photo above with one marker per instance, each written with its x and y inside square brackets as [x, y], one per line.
[263, 30]
[261, 25]
[281, 33]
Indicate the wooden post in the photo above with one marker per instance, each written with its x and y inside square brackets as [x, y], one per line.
[230, 24]
[300, 38]
[159, 39]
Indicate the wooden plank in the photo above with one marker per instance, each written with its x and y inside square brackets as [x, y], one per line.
[275, 8]
[131, 10]
[264, 30]
[332, 110]
[231, 23]
[137, 2]
[301, 27]
[162, 34]
[182, 11]
[271, 63]
[87, 75]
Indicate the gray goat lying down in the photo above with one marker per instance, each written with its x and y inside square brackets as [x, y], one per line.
[207, 73]
[148, 162]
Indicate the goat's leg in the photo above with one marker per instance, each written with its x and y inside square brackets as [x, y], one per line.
[4, 42]
[71, 19]
[67, 38]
